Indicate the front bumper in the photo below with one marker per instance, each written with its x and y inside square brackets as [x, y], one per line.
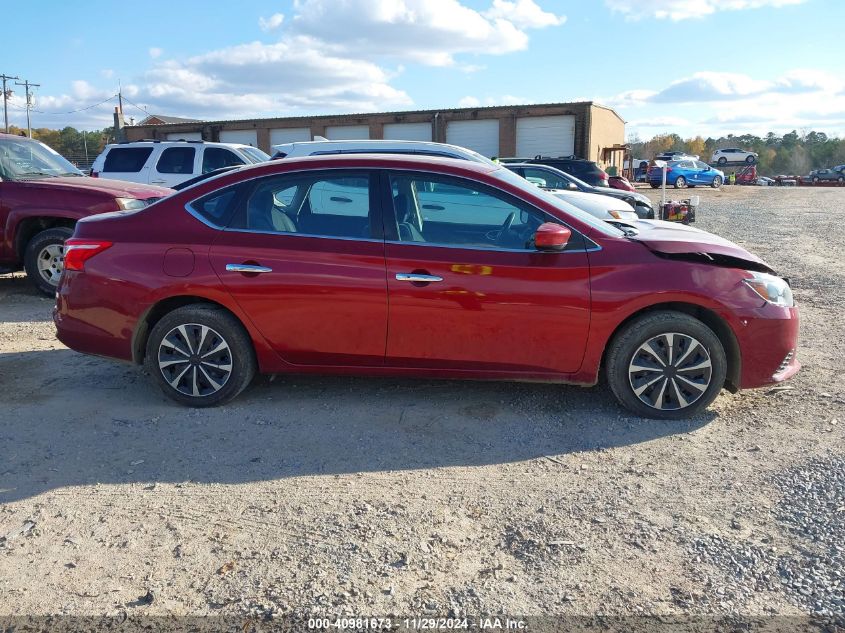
[768, 341]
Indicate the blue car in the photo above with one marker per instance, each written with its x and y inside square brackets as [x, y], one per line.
[686, 173]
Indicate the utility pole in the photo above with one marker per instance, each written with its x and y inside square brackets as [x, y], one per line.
[27, 86]
[6, 96]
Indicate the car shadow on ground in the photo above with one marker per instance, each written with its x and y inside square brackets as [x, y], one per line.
[21, 301]
[72, 419]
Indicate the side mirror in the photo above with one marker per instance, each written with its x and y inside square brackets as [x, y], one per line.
[551, 237]
[573, 186]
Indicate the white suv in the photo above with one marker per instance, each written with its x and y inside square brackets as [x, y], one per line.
[168, 163]
[418, 148]
[733, 155]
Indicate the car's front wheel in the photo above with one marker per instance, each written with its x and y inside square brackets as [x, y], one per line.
[722, 160]
[44, 258]
[750, 160]
[717, 182]
[666, 365]
[200, 355]
[654, 185]
[680, 183]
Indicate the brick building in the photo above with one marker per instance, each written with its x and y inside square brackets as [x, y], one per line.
[585, 129]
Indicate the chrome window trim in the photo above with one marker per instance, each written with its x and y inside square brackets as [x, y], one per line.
[589, 249]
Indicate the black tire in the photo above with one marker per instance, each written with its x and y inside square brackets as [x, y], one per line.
[815, 180]
[717, 182]
[722, 160]
[43, 258]
[654, 185]
[840, 180]
[626, 346]
[202, 370]
[750, 160]
[680, 182]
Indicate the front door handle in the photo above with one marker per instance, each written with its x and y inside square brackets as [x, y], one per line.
[156, 182]
[417, 278]
[247, 268]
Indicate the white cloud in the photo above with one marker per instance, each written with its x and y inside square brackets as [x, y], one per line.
[108, 73]
[155, 52]
[685, 9]
[475, 102]
[272, 23]
[430, 32]
[469, 102]
[524, 14]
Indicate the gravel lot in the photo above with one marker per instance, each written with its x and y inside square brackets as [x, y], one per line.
[353, 496]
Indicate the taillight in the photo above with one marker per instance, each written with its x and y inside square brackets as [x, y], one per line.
[78, 251]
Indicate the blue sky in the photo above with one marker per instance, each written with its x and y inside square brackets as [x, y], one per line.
[704, 67]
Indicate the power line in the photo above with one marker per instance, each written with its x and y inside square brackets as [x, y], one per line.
[79, 109]
[141, 108]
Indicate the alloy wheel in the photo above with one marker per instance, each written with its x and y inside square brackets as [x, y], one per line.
[51, 261]
[670, 371]
[195, 360]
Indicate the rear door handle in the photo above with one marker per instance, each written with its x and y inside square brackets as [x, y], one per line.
[416, 277]
[247, 268]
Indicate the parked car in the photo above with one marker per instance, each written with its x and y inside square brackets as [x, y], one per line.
[601, 207]
[826, 175]
[686, 173]
[168, 163]
[586, 170]
[557, 179]
[280, 267]
[621, 183]
[733, 155]
[42, 196]
[667, 156]
[765, 181]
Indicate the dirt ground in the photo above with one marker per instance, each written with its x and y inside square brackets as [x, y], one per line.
[373, 496]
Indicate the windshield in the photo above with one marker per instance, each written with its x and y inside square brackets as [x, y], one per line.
[567, 208]
[25, 159]
[255, 154]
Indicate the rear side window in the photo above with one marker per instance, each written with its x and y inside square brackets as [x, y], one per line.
[127, 159]
[176, 160]
[216, 207]
[217, 157]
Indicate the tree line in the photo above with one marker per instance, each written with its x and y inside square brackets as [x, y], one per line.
[794, 153]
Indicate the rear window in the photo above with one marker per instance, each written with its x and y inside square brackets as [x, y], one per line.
[216, 207]
[127, 159]
[176, 160]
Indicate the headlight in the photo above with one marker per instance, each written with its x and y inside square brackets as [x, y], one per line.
[129, 204]
[617, 214]
[770, 288]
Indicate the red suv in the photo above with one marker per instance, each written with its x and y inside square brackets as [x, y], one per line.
[399, 265]
[41, 197]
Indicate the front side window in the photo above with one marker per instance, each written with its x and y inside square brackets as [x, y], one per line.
[176, 160]
[327, 205]
[451, 212]
[551, 180]
[126, 159]
[217, 158]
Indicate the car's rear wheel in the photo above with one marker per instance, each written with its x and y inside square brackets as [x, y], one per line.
[44, 258]
[815, 179]
[666, 365]
[200, 355]
[654, 185]
[840, 180]
[680, 182]
[722, 160]
[717, 182]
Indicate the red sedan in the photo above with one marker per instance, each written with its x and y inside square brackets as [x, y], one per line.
[398, 265]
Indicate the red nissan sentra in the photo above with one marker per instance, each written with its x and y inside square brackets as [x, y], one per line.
[419, 266]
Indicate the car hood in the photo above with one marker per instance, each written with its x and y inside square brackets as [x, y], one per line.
[620, 193]
[675, 239]
[116, 188]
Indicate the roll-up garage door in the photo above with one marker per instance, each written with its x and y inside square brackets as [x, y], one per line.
[184, 136]
[289, 135]
[481, 135]
[347, 132]
[545, 135]
[245, 137]
[407, 131]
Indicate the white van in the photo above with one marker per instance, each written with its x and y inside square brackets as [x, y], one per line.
[168, 163]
